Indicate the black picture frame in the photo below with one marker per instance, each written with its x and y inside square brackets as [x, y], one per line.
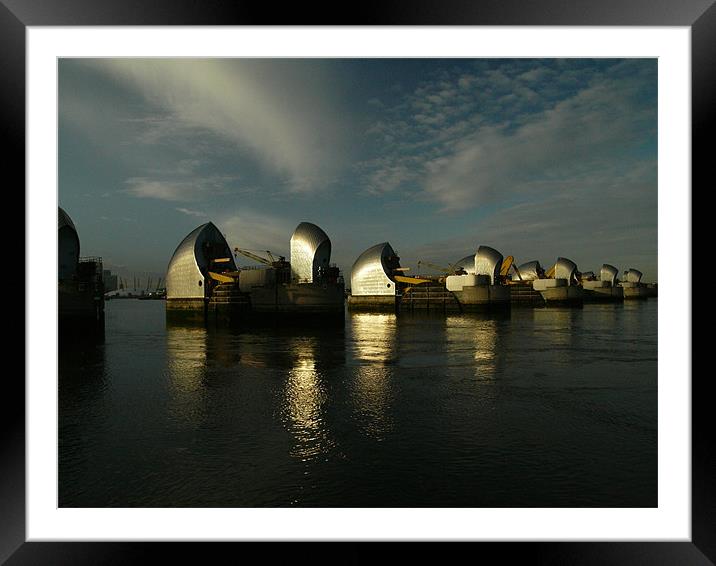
[16, 15]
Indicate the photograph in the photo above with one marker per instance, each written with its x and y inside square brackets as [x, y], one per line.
[392, 278]
[395, 282]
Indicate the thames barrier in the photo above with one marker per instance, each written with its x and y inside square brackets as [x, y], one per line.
[204, 281]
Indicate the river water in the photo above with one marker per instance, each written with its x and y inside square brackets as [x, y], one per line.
[536, 408]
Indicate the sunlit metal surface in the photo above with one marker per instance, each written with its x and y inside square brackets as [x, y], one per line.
[68, 246]
[609, 273]
[467, 264]
[565, 269]
[373, 270]
[488, 261]
[187, 271]
[310, 253]
[529, 271]
[633, 275]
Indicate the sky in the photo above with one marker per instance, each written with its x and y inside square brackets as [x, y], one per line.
[538, 158]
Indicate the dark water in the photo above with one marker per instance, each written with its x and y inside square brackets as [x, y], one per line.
[538, 408]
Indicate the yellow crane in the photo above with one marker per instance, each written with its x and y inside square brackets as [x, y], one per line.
[253, 256]
[271, 260]
[281, 259]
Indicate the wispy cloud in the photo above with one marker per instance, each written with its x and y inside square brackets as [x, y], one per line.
[582, 224]
[467, 140]
[289, 125]
[576, 136]
[177, 189]
[190, 212]
[536, 157]
[250, 229]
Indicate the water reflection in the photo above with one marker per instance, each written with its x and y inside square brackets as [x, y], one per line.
[559, 331]
[633, 318]
[374, 337]
[485, 337]
[84, 409]
[603, 322]
[82, 393]
[604, 315]
[374, 346]
[421, 340]
[81, 367]
[384, 411]
[186, 367]
[305, 398]
[223, 348]
[556, 325]
[639, 326]
[201, 358]
[473, 341]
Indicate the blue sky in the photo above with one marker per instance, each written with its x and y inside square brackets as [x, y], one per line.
[538, 158]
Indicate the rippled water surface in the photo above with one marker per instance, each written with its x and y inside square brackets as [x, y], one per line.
[537, 408]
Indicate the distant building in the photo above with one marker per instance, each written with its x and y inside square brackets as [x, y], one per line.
[109, 280]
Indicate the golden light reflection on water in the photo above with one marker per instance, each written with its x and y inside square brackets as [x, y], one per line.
[375, 347]
[186, 364]
[485, 339]
[372, 395]
[556, 325]
[606, 314]
[254, 359]
[304, 402]
[632, 319]
[374, 337]
[474, 341]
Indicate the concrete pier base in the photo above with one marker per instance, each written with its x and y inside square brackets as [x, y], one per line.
[299, 299]
[556, 292]
[569, 296]
[523, 295]
[230, 305]
[385, 303]
[601, 291]
[484, 297]
[634, 291]
[604, 295]
[186, 310]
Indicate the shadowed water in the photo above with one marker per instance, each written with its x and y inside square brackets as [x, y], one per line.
[537, 408]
